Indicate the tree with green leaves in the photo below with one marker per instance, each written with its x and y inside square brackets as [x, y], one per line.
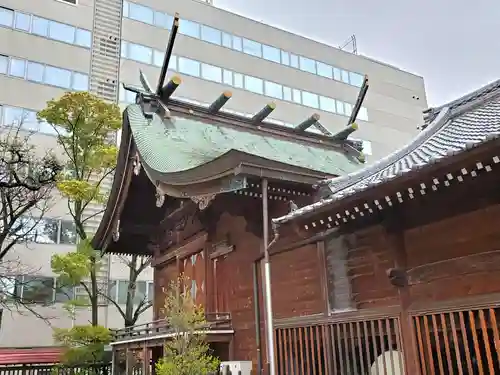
[83, 123]
[187, 352]
[85, 127]
[83, 344]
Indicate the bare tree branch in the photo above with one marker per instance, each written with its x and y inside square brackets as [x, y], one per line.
[26, 184]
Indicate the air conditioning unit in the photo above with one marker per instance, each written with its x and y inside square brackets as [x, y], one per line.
[236, 367]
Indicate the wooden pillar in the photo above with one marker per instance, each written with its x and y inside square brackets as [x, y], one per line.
[146, 360]
[114, 360]
[398, 276]
[128, 360]
[209, 278]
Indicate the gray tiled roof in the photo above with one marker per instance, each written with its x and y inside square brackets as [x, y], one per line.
[460, 125]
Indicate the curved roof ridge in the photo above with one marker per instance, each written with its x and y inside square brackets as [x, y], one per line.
[341, 183]
[474, 98]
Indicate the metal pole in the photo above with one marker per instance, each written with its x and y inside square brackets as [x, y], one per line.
[267, 281]
[257, 317]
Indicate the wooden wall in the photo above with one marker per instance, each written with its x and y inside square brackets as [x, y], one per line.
[295, 275]
[370, 255]
[296, 279]
[455, 258]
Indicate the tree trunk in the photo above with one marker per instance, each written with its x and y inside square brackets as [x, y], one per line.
[94, 298]
[131, 290]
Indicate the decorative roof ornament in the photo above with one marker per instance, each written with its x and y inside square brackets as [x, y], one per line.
[154, 102]
[203, 200]
[160, 198]
[116, 231]
[137, 164]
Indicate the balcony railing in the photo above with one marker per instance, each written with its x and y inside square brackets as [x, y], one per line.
[215, 321]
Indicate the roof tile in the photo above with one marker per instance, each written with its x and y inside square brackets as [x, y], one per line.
[461, 125]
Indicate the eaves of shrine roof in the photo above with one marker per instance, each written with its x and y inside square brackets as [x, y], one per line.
[451, 129]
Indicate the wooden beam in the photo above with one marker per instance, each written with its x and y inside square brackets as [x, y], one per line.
[395, 232]
[191, 246]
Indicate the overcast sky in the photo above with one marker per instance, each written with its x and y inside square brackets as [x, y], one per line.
[453, 44]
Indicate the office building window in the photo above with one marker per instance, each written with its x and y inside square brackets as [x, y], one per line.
[68, 233]
[140, 53]
[325, 70]
[44, 27]
[62, 32]
[211, 73]
[57, 76]
[238, 80]
[189, 67]
[34, 289]
[118, 290]
[4, 63]
[189, 28]
[271, 53]
[287, 93]
[22, 21]
[254, 84]
[6, 17]
[141, 13]
[297, 96]
[251, 47]
[45, 74]
[309, 99]
[63, 293]
[307, 65]
[45, 230]
[274, 90]
[17, 67]
[212, 35]
[327, 104]
[242, 81]
[38, 289]
[163, 20]
[285, 58]
[35, 72]
[294, 61]
[227, 40]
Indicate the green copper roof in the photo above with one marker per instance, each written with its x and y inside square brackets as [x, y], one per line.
[182, 144]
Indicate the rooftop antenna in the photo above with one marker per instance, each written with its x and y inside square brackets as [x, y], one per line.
[350, 42]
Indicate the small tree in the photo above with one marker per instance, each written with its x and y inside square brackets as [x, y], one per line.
[136, 265]
[83, 344]
[27, 181]
[187, 353]
[83, 123]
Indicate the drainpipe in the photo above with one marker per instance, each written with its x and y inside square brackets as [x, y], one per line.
[267, 279]
[257, 305]
[257, 316]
